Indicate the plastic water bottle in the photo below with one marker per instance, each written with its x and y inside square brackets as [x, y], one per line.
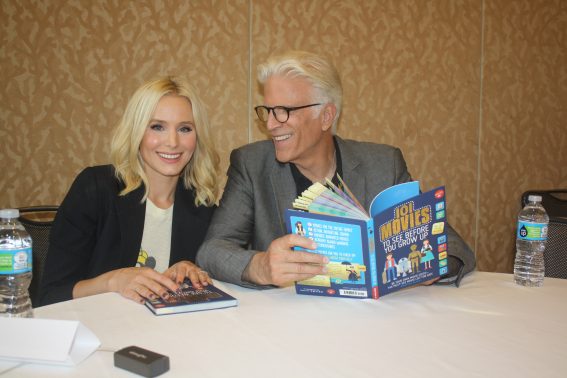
[531, 237]
[15, 266]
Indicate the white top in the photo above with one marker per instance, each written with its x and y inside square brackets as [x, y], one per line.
[489, 327]
[156, 240]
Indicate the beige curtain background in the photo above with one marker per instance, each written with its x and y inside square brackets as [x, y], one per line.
[474, 92]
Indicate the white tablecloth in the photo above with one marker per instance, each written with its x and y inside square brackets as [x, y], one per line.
[489, 327]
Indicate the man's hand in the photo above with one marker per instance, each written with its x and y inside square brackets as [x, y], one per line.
[430, 282]
[280, 265]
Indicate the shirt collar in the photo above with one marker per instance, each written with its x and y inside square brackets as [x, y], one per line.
[302, 182]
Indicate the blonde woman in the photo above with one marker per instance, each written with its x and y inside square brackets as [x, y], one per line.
[134, 227]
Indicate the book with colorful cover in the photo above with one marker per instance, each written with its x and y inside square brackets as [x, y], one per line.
[189, 298]
[400, 242]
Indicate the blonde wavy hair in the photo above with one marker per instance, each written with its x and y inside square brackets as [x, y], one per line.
[200, 173]
[318, 70]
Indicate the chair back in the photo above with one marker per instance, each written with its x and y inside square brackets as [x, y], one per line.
[37, 220]
[555, 254]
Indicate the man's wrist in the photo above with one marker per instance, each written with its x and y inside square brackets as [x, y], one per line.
[252, 272]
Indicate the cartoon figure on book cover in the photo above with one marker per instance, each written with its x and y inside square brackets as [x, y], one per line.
[353, 275]
[427, 254]
[299, 230]
[390, 267]
[415, 258]
[345, 271]
[404, 267]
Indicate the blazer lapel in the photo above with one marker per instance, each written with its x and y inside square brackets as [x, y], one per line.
[283, 187]
[131, 215]
[185, 214]
[352, 175]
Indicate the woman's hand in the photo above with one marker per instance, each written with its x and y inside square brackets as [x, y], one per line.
[140, 284]
[182, 269]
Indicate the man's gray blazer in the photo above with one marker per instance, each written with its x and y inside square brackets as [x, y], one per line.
[259, 190]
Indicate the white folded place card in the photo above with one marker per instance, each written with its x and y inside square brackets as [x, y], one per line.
[47, 341]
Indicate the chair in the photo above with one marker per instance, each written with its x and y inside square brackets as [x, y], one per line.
[555, 254]
[37, 220]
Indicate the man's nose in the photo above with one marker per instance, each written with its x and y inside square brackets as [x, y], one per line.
[272, 122]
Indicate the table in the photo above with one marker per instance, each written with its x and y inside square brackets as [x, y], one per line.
[489, 327]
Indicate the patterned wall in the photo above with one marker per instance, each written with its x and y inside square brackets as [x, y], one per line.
[69, 68]
[523, 135]
[473, 91]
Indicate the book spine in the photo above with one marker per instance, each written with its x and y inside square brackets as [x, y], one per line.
[372, 259]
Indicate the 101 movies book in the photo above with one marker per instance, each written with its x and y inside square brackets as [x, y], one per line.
[189, 298]
[399, 243]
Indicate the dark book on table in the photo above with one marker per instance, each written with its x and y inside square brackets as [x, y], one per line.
[189, 298]
[399, 242]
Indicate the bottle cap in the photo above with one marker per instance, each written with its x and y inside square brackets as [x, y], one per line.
[534, 198]
[9, 213]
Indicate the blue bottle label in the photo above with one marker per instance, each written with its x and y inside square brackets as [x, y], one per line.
[532, 231]
[15, 261]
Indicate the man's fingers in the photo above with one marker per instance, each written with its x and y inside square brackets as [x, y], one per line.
[283, 265]
[309, 258]
[430, 282]
[308, 269]
[285, 244]
[294, 240]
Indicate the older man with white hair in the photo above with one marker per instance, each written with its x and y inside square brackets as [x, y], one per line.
[247, 242]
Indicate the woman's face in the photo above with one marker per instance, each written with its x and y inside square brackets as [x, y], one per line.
[170, 139]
